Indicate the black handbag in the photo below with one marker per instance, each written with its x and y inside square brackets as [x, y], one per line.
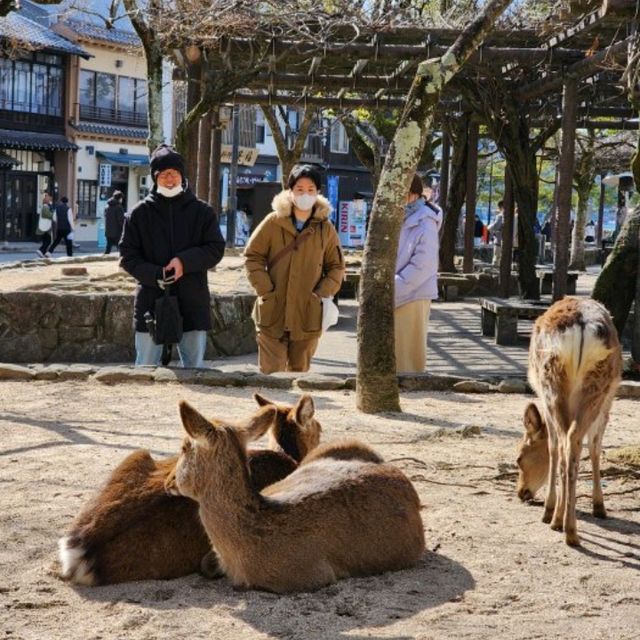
[166, 328]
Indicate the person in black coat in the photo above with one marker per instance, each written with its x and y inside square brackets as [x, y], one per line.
[113, 220]
[171, 239]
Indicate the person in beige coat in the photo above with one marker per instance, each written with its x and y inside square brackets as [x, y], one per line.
[293, 260]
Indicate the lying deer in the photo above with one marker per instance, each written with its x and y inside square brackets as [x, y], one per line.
[575, 364]
[134, 530]
[339, 514]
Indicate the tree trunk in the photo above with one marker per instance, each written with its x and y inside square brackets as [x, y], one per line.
[507, 237]
[616, 284]
[565, 183]
[470, 200]
[577, 261]
[455, 196]
[377, 383]
[214, 160]
[204, 157]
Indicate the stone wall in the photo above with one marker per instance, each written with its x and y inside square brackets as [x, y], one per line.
[53, 326]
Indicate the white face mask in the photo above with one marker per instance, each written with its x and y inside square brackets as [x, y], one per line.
[170, 193]
[305, 202]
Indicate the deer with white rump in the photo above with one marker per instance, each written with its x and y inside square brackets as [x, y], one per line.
[575, 365]
[342, 513]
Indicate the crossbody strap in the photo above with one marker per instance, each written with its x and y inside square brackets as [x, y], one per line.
[307, 233]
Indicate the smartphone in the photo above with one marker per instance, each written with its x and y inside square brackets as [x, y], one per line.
[169, 275]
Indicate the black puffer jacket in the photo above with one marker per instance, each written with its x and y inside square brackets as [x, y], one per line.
[148, 245]
[113, 218]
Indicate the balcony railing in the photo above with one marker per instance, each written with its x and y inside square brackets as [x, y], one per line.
[113, 116]
[31, 121]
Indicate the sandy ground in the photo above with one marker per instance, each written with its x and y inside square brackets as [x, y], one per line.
[492, 569]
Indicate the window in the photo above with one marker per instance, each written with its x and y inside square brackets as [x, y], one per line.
[87, 198]
[141, 97]
[260, 126]
[126, 94]
[339, 141]
[105, 91]
[87, 88]
[6, 83]
[99, 99]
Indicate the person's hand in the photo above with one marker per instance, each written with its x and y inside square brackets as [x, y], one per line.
[174, 268]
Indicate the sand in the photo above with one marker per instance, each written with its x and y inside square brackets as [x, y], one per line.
[492, 568]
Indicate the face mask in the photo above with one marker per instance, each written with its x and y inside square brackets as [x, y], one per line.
[170, 193]
[305, 202]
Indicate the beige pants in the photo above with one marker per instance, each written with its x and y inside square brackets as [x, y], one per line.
[284, 354]
[411, 326]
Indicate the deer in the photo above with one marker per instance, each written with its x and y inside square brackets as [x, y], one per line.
[575, 366]
[339, 514]
[133, 530]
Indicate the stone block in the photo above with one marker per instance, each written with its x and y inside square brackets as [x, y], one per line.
[118, 320]
[75, 334]
[82, 310]
[513, 385]
[116, 375]
[15, 372]
[319, 382]
[472, 386]
[21, 348]
[427, 382]
[628, 389]
[75, 271]
[280, 380]
[76, 372]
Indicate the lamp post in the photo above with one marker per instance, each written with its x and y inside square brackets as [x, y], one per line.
[232, 204]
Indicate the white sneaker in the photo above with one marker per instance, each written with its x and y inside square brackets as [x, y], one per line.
[39, 254]
[47, 255]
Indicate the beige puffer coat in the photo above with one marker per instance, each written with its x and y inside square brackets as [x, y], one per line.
[285, 294]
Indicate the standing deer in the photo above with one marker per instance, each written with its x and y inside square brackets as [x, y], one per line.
[575, 365]
[335, 516]
[134, 530]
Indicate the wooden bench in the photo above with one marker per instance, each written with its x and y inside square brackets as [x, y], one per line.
[500, 316]
[546, 280]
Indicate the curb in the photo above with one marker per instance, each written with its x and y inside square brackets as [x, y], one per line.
[127, 374]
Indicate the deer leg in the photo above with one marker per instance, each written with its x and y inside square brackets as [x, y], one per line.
[550, 499]
[558, 512]
[595, 449]
[574, 445]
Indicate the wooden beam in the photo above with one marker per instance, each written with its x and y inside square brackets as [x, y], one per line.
[579, 28]
[565, 183]
[328, 102]
[581, 69]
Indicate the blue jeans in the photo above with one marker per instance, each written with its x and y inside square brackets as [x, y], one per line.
[191, 349]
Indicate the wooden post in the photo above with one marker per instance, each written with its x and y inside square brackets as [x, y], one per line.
[204, 151]
[214, 160]
[507, 237]
[470, 203]
[565, 183]
[635, 340]
[600, 226]
[444, 170]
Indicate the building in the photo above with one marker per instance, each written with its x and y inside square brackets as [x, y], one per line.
[37, 150]
[108, 121]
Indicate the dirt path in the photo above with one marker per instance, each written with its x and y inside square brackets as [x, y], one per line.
[493, 570]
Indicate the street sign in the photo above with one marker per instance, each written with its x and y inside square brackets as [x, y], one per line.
[104, 178]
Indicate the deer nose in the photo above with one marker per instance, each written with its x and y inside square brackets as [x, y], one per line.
[525, 495]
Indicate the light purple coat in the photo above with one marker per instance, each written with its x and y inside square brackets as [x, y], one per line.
[417, 261]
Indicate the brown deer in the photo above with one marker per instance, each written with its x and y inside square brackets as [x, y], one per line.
[332, 518]
[575, 365]
[134, 530]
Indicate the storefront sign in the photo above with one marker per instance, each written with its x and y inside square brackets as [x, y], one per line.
[247, 156]
[332, 195]
[104, 175]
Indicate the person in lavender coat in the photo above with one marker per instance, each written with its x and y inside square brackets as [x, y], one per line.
[416, 279]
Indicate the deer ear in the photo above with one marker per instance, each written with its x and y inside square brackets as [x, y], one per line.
[259, 423]
[304, 410]
[261, 400]
[533, 423]
[194, 423]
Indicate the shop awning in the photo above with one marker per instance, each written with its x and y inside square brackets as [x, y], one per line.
[127, 159]
[32, 141]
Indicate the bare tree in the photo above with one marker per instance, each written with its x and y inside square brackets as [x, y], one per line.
[377, 384]
[289, 143]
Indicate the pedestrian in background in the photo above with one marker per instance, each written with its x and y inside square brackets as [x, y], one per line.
[495, 229]
[416, 279]
[64, 226]
[293, 260]
[171, 238]
[113, 220]
[45, 224]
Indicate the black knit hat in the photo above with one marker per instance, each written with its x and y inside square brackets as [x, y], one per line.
[164, 157]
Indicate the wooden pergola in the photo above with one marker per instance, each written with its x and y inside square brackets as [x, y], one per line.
[570, 72]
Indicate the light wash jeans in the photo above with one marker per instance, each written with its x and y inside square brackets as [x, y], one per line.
[191, 349]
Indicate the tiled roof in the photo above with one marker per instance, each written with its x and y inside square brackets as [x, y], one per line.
[7, 162]
[96, 32]
[17, 27]
[112, 130]
[31, 140]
